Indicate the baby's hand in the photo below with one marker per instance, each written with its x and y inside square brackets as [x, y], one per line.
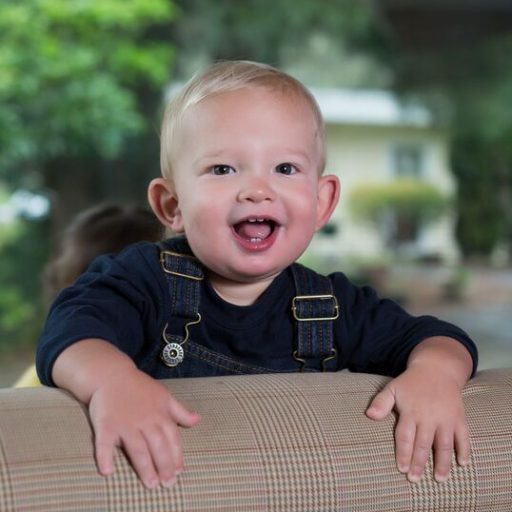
[137, 413]
[431, 415]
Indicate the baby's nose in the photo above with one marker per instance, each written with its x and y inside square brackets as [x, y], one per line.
[256, 189]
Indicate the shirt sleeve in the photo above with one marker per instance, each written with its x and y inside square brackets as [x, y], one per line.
[117, 299]
[377, 335]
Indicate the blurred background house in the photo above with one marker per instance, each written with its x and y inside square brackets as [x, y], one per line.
[383, 149]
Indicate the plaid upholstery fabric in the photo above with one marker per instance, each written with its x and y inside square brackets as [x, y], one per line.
[294, 442]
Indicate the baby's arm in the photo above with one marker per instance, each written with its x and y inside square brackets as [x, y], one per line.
[427, 397]
[128, 408]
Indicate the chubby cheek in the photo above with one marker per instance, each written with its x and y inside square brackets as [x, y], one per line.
[202, 217]
[304, 208]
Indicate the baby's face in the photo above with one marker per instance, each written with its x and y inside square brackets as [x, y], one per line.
[246, 176]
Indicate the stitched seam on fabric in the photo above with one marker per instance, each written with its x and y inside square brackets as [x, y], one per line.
[319, 333]
[201, 353]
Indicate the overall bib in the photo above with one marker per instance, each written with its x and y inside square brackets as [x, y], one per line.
[314, 308]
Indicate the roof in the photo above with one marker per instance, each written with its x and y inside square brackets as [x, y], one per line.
[369, 107]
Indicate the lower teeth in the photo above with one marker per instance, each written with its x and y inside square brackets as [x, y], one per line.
[256, 240]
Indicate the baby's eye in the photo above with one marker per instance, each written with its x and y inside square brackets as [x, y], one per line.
[286, 168]
[222, 169]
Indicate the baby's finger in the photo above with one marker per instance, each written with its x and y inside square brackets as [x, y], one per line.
[443, 452]
[381, 405]
[136, 449]
[165, 447]
[104, 446]
[177, 449]
[463, 444]
[181, 415]
[422, 448]
[405, 433]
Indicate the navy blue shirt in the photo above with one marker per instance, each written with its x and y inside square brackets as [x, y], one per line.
[125, 300]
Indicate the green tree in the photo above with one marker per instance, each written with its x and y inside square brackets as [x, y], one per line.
[300, 35]
[469, 87]
[80, 85]
[23, 252]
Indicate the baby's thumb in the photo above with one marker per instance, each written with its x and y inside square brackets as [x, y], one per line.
[182, 416]
[381, 405]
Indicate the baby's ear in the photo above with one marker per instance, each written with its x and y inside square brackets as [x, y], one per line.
[328, 197]
[164, 203]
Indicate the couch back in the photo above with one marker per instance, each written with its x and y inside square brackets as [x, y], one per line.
[294, 442]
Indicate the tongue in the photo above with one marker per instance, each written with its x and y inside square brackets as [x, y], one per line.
[254, 230]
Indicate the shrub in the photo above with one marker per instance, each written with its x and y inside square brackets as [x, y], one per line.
[410, 204]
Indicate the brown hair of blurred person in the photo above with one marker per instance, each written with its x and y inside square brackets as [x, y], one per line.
[102, 229]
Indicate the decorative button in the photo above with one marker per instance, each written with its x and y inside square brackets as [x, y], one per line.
[172, 354]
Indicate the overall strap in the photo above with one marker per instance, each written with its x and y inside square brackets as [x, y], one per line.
[183, 273]
[314, 308]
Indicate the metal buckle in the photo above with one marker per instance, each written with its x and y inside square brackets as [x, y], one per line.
[173, 354]
[173, 272]
[334, 355]
[302, 361]
[319, 297]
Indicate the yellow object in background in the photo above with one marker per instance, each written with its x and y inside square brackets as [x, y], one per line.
[28, 379]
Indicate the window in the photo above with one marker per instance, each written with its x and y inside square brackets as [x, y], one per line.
[407, 161]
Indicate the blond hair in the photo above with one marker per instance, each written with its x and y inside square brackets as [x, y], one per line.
[227, 76]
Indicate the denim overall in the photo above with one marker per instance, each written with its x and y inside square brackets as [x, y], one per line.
[314, 309]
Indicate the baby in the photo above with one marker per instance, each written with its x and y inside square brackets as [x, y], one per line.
[243, 183]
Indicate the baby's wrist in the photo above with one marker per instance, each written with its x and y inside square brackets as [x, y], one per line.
[443, 358]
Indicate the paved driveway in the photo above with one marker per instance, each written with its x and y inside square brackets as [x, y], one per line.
[485, 313]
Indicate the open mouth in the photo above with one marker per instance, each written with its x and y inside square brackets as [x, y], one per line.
[255, 229]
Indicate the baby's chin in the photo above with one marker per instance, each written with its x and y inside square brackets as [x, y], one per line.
[240, 277]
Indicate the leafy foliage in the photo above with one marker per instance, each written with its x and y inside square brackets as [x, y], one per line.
[23, 252]
[409, 204]
[81, 83]
[70, 70]
[301, 34]
[411, 198]
[469, 86]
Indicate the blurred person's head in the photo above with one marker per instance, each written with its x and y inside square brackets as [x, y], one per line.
[101, 229]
